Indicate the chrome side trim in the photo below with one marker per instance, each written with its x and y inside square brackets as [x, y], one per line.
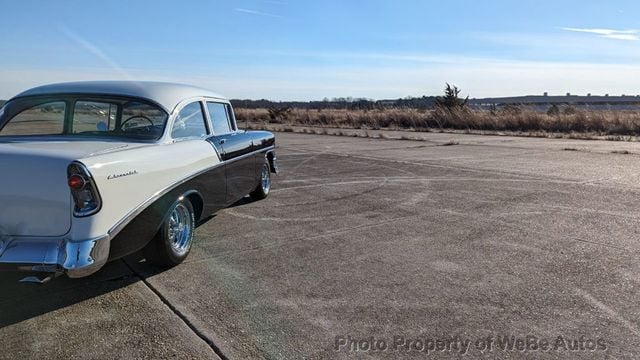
[115, 229]
[253, 153]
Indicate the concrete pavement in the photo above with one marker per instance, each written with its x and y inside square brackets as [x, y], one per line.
[364, 241]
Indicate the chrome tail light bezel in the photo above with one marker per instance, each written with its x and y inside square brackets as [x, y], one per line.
[94, 204]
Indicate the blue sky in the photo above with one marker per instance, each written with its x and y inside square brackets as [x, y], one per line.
[301, 50]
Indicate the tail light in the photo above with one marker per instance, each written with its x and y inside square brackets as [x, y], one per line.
[83, 190]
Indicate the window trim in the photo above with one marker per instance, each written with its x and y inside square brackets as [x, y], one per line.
[232, 129]
[232, 117]
[205, 118]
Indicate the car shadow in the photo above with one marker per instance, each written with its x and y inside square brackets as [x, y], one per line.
[244, 201]
[23, 301]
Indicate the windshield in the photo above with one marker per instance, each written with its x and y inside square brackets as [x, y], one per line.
[83, 116]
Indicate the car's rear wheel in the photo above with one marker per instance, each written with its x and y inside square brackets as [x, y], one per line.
[264, 186]
[173, 242]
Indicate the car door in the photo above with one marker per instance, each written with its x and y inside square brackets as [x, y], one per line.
[191, 125]
[235, 148]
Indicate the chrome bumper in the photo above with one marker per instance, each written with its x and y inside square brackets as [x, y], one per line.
[75, 258]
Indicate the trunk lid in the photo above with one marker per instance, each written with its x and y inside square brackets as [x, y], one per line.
[34, 196]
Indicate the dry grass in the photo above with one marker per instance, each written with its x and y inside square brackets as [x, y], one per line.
[619, 125]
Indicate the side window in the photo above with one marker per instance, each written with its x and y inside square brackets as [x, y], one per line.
[43, 119]
[91, 116]
[219, 117]
[190, 122]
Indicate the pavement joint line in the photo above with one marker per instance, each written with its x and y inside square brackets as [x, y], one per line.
[215, 348]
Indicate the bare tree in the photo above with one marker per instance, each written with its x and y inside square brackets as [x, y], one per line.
[451, 100]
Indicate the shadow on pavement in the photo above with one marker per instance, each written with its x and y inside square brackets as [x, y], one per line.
[244, 201]
[23, 301]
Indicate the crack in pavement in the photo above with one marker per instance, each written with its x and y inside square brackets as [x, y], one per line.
[212, 345]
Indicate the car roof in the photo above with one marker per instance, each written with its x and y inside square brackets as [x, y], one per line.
[167, 95]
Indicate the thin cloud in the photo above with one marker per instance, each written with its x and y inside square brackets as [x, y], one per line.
[628, 35]
[255, 12]
[96, 51]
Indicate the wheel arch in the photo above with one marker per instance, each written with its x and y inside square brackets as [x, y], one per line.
[172, 197]
[197, 201]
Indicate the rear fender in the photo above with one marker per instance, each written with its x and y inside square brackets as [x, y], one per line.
[144, 227]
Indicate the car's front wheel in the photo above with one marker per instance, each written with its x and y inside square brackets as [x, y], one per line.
[264, 186]
[173, 242]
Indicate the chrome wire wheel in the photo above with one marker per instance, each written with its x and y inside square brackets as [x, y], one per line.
[264, 185]
[265, 179]
[180, 229]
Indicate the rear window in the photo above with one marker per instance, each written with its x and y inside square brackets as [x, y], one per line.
[104, 117]
[92, 116]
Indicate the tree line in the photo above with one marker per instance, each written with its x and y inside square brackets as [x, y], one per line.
[425, 102]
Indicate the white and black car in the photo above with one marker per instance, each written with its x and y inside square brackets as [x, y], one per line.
[93, 171]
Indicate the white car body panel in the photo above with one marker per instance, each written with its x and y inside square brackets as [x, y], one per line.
[156, 168]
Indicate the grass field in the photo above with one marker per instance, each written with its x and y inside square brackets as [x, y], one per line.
[583, 124]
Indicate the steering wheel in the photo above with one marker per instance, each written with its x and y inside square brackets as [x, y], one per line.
[122, 126]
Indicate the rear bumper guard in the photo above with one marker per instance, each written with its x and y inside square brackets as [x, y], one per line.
[273, 162]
